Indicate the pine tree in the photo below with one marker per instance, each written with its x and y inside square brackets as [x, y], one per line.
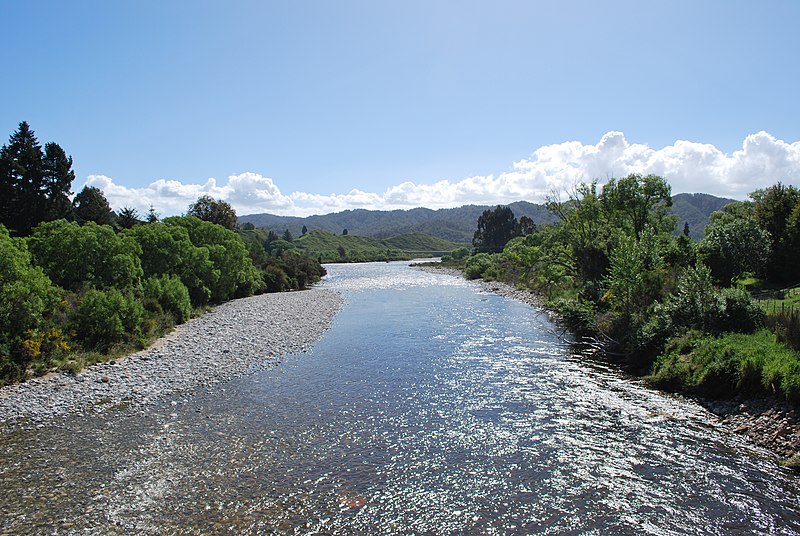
[34, 184]
[91, 205]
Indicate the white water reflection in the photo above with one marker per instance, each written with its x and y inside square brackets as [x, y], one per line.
[427, 408]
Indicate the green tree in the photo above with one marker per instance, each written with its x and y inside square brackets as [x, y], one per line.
[106, 317]
[209, 209]
[167, 250]
[495, 228]
[127, 218]
[634, 275]
[152, 215]
[27, 297]
[634, 202]
[772, 209]
[57, 182]
[581, 242]
[34, 184]
[732, 248]
[74, 255]
[226, 250]
[304, 231]
[91, 205]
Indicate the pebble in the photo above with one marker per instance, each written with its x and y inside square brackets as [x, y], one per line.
[205, 351]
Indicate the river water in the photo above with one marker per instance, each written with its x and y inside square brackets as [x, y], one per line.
[428, 407]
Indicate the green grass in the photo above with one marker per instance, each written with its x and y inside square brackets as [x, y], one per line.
[731, 364]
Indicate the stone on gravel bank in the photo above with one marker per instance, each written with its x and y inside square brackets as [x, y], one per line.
[207, 350]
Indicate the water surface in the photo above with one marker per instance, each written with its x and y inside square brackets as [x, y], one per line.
[429, 407]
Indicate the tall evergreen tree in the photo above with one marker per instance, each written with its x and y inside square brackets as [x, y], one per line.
[34, 184]
[91, 205]
[495, 228]
[57, 181]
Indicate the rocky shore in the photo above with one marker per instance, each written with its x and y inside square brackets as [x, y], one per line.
[214, 348]
[767, 422]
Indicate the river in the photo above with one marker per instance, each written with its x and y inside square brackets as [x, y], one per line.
[428, 407]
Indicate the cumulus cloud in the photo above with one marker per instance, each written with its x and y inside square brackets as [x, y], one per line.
[688, 166]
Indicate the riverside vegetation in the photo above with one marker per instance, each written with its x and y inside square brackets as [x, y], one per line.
[80, 284]
[678, 311]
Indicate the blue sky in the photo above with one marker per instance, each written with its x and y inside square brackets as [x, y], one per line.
[311, 107]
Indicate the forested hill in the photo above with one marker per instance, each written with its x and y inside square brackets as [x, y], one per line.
[695, 209]
[456, 224]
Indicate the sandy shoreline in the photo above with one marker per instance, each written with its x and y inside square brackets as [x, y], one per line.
[768, 422]
[216, 347]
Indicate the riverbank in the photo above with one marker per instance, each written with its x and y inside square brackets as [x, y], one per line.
[768, 422]
[204, 351]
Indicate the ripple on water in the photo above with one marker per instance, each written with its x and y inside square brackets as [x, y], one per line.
[426, 408]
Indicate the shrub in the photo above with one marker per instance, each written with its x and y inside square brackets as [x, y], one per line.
[170, 294]
[577, 314]
[74, 255]
[477, 265]
[107, 317]
[739, 313]
[275, 279]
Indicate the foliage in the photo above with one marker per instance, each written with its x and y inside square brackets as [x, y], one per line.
[34, 184]
[26, 299]
[786, 326]
[477, 265]
[635, 202]
[733, 247]
[729, 364]
[282, 268]
[209, 209]
[90, 205]
[107, 317]
[170, 295]
[495, 228]
[235, 274]
[168, 250]
[777, 211]
[128, 218]
[74, 255]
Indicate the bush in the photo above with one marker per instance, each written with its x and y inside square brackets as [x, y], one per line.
[107, 317]
[739, 313]
[477, 265]
[275, 279]
[577, 314]
[75, 255]
[171, 295]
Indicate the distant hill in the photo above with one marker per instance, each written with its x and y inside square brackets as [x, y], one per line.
[452, 224]
[695, 209]
[458, 224]
[331, 247]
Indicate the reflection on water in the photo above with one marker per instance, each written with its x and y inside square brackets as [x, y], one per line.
[428, 407]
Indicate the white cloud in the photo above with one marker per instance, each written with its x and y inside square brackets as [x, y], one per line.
[688, 167]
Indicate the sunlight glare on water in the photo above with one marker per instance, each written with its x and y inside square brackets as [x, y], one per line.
[428, 407]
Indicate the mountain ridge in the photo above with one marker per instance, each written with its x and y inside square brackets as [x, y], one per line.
[458, 224]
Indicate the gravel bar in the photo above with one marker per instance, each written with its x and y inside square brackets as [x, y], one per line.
[216, 347]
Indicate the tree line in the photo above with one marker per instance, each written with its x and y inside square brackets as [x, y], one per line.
[79, 282]
[678, 310]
